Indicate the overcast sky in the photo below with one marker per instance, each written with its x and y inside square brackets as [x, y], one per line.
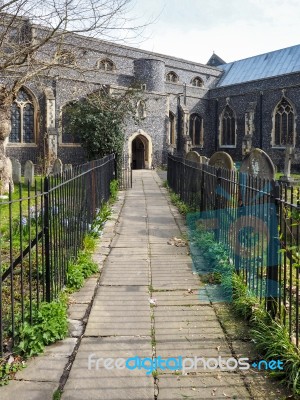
[233, 29]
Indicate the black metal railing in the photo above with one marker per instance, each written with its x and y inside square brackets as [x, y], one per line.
[125, 174]
[41, 231]
[258, 222]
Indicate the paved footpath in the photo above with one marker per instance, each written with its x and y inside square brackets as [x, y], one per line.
[123, 322]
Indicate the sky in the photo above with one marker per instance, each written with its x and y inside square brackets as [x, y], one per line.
[233, 29]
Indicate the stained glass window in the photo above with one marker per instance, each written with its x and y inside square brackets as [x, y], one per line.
[28, 123]
[228, 127]
[15, 134]
[22, 119]
[196, 133]
[284, 124]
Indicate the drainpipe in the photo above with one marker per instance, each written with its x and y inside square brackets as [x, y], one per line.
[260, 120]
[216, 123]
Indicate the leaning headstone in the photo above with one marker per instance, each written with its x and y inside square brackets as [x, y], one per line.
[29, 173]
[258, 164]
[16, 170]
[220, 159]
[57, 167]
[193, 156]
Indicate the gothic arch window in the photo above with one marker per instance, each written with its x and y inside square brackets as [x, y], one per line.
[196, 130]
[284, 124]
[228, 128]
[172, 77]
[172, 131]
[23, 118]
[198, 82]
[141, 109]
[106, 65]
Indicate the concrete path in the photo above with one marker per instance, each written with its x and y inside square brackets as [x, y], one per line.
[123, 323]
[147, 304]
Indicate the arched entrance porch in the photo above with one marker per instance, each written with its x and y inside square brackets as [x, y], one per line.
[140, 150]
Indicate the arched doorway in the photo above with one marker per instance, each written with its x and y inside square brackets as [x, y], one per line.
[138, 153]
[140, 150]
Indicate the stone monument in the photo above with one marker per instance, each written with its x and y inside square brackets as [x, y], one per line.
[257, 163]
[221, 159]
[193, 156]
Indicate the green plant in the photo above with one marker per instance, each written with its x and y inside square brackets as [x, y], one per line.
[273, 341]
[89, 243]
[80, 270]
[9, 367]
[182, 207]
[47, 324]
[57, 395]
[114, 187]
[75, 278]
[271, 337]
[102, 216]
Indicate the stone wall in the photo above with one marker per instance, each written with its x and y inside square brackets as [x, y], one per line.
[267, 93]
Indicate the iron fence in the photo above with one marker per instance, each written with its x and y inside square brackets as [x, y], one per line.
[41, 231]
[125, 174]
[258, 221]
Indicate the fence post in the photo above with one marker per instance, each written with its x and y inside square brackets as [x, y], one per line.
[273, 248]
[116, 166]
[218, 204]
[47, 239]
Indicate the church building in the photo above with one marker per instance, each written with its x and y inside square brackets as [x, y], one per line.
[185, 106]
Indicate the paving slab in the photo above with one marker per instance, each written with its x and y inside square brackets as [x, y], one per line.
[28, 390]
[86, 293]
[111, 384]
[202, 386]
[48, 366]
[76, 311]
[193, 347]
[177, 297]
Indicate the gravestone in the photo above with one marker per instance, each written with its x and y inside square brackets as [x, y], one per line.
[29, 173]
[67, 168]
[193, 156]
[57, 167]
[204, 160]
[258, 164]
[16, 170]
[220, 159]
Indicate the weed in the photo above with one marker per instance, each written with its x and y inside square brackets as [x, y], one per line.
[80, 270]
[57, 394]
[114, 187]
[8, 368]
[47, 324]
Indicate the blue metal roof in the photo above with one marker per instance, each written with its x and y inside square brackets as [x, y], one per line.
[266, 65]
